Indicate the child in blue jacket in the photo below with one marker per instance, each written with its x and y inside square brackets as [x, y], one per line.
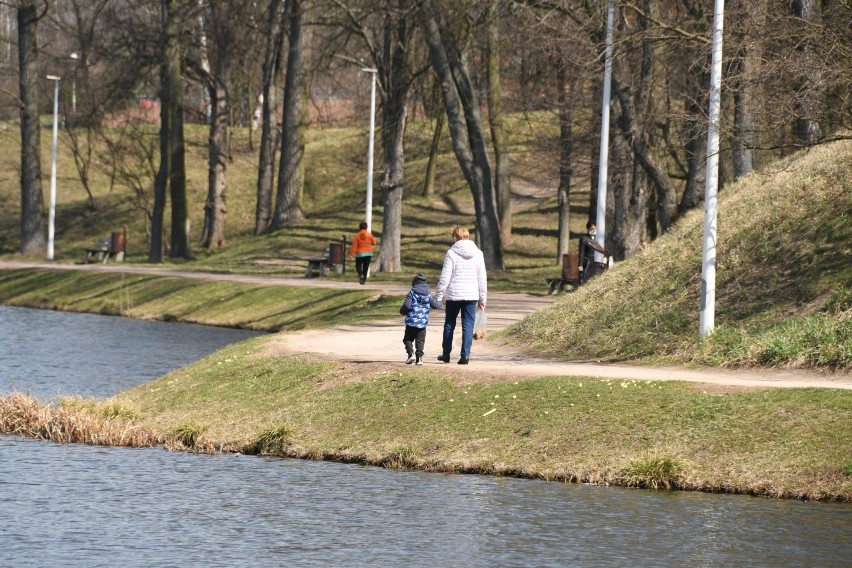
[416, 307]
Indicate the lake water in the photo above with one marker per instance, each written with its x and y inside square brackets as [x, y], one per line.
[74, 505]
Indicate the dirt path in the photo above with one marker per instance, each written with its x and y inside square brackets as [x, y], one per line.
[381, 342]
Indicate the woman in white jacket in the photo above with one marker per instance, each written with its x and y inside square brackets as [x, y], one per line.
[463, 286]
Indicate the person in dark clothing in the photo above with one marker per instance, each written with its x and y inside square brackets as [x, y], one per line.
[588, 246]
[416, 308]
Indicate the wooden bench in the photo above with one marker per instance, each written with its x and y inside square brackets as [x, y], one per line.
[100, 252]
[317, 266]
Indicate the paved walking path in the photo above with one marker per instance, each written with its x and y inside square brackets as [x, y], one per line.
[381, 342]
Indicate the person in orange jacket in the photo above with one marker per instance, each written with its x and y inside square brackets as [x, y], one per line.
[362, 251]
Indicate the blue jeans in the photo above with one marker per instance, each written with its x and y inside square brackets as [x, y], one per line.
[468, 315]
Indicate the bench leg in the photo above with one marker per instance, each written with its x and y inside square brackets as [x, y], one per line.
[551, 287]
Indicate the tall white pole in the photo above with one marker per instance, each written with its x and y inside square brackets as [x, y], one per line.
[52, 214]
[368, 215]
[604, 152]
[708, 259]
[74, 56]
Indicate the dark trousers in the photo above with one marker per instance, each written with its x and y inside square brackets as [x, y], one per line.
[467, 309]
[417, 336]
[362, 266]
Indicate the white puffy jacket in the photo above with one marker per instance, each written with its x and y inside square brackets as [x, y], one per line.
[463, 276]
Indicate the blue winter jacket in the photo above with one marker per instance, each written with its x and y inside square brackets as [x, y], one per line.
[418, 304]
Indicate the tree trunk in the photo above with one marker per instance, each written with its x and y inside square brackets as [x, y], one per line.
[213, 232]
[695, 145]
[180, 230]
[269, 130]
[807, 129]
[161, 180]
[288, 204]
[432, 164]
[393, 133]
[496, 121]
[33, 238]
[666, 192]
[466, 132]
[634, 204]
[566, 151]
[396, 82]
[215, 210]
[743, 140]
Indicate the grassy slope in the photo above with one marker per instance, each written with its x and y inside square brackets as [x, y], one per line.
[334, 201]
[229, 304]
[773, 442]
[783, 278]
[783, 283]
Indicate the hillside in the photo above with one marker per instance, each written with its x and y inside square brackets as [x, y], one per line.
[783, 274]
[334, 193]
[783, 289]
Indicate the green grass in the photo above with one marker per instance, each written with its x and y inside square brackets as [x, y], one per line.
[229, 304]
[776, 442]
[335, 171]
[783, 284]
[783, 274]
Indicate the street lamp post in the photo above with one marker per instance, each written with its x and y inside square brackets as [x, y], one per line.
[604, 151]
[52, 214]
[369, 213]
[707, 315]
[74, 56]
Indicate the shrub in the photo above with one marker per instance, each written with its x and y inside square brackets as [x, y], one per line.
[273, 440]
[652, 472]
[188, 434]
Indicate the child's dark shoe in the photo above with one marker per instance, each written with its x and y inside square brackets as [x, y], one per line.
[444, 358]
[463, 361]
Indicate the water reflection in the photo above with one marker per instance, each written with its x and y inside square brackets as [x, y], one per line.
[82, 506]
[72, 505]
[50, 353]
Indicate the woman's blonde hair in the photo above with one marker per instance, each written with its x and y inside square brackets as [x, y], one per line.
[460, 233]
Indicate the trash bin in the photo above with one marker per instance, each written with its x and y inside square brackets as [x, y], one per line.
[571, 267]
[118, 244]
[335, 251]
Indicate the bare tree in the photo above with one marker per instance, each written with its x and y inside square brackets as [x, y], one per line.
[465, 125]
[807, 128]
[223, 34]
[33, 238]
[497, 123]
[171, 176]
[566, 156]
[384, 31]
[432, 163]
[288, 203]
[269, 131]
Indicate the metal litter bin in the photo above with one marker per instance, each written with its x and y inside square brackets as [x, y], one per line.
[335, 256]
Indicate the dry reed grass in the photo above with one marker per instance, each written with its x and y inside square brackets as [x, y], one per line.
[23, 415]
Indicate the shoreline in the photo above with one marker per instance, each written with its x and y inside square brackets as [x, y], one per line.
[255, 398]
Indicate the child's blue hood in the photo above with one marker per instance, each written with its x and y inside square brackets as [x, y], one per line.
[421, 288]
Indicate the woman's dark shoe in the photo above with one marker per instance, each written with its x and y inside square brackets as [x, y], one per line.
[463, 361]
[445, 357]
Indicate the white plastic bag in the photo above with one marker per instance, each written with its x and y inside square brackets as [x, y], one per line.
[479, 324]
